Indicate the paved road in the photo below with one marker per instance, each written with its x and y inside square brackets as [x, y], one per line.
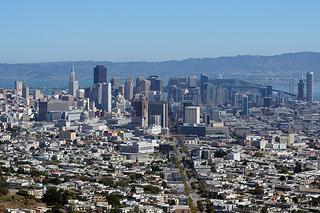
[194, 194]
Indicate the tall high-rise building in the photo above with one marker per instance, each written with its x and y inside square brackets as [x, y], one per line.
[106, 97]
[301, 90]
[269, 91]
[310, 86]
[192, 81]
[144, 87]
[156, 83]
[128, 90]
[137, 87]
[194, 94]
[131, 78]
[115, 83]
[234, 99]
[18, 85]
[96, 95]
[139, 112]
[109, 98]
[245, 105]
[25, 91]
[73, 84]
[263, 91]
[100, 74]
[210, 99]
[158, 109]
[203, 87]
[192, 115]
[173, 82]
[36, 94]
[182, 82]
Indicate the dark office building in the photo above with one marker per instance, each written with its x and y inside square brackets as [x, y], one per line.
[156, 83]
[301, 90]
[161, 109]
[139, 112]
[269, 91]
[100, 74]
[203, 87]
[263, 92]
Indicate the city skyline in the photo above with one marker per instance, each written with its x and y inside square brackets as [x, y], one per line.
[149, 31]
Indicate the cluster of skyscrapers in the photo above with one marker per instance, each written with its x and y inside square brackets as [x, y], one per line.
[190, 102]
[309, 88]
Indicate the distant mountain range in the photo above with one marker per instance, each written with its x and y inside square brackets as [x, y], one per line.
[290, 65]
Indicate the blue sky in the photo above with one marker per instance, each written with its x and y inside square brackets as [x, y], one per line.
[72, 30]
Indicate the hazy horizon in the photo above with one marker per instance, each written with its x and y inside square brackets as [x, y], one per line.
[224, 56]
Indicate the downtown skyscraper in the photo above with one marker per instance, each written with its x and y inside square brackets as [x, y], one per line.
[309, 86]
[73, 84]
[100, 74]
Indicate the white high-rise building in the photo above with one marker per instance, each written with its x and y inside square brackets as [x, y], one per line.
[192, 81]
[25, 91]
[192, 115]
[310, 86]
[36, 94]
[73, 84]
[106, 97]
[109, 98]
[18, 87]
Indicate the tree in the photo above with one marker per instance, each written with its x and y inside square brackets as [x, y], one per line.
[284, 170]
[3, 185]
[121, 182]
[282, 178]
[298, 167]
[54, 197]
[150, 189]
[193, 186]
[257, 154]
[213, 169]
[114, 199]
[258, 191]
[209, 206]
[107, 181]
[200, 206]
[172, 202]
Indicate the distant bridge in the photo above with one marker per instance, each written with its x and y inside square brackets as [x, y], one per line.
[258, 87]
[284, 92]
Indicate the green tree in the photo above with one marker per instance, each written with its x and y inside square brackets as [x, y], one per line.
[257, 154]
[209, 206]
[58, 198]
[284, 170]
[114, 199]
[200, 206]
[298, 167]
[258, 191]
[3, 185]
[213, 169]
[282, 178]
[108, 181]
[121, 182]
[193, 186]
